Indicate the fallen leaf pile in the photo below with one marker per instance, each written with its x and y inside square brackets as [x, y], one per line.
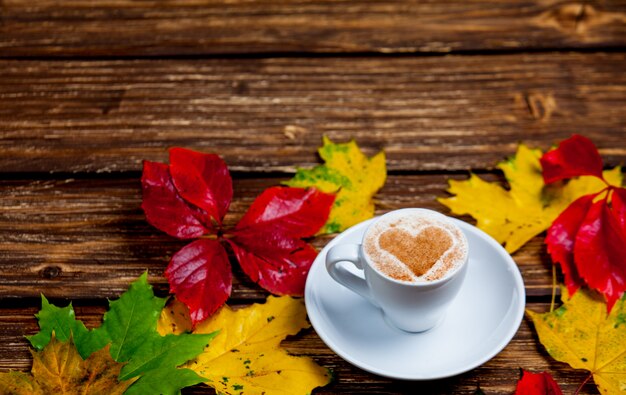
[514, 216]
[59, 369]
[581, 334]
[245, 357]
[143, 348]
[189, 198]
[129, 332]
[583, 209]
[588, 239]
[350, 174]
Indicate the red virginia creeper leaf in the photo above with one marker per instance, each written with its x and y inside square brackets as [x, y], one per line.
[298, 211]
[203, 180]
[200, 277]
[599, 252]
[561, 237]
[165, 209]
[281, 268]
[537, 384]
[576, 156]
[619, 207]
[267, 239]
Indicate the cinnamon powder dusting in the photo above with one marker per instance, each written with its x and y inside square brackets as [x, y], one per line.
[419, 253]
[415, 246]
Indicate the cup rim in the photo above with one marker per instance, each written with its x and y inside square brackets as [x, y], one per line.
[423, 284]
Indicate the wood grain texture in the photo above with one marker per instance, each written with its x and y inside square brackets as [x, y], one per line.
[84, 237]
[496, 377]
[89, 239]
[428, 113]
[200, 27]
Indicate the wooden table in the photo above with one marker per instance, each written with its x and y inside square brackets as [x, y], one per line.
[90, 89]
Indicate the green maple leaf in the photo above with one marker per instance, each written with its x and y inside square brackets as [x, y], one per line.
[164, 381]
[131, 319]
[163, 353]
[130, 326]
[62, 320]
[130, 330]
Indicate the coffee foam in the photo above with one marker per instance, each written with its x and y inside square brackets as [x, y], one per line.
[421, 237]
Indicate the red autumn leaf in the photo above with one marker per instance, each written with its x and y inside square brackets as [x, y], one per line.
[588, 238]
[561, 237]
[599, 251]
[280, 268]
[619, 207]
[267, 240]
[200, 276]
[165, 209]
[537, 384]
[190, 197]
[298, 211]
[202, 180]
[576, 156]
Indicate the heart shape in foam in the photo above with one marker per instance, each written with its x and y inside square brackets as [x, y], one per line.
[418, 252]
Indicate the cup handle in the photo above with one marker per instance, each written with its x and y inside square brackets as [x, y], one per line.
[348, 253]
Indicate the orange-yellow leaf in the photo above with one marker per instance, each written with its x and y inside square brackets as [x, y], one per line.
[349, 174]
[59, 369]
[581, 334]
[246, 357]
[514, 216]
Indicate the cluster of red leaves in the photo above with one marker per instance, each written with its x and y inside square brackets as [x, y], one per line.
[537, 384]
[189, 198]
[589, 237]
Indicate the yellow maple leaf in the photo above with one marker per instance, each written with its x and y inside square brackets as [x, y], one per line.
[581, 334]
[528, 207]
[59, 369]
[350, 174]
[245, 357]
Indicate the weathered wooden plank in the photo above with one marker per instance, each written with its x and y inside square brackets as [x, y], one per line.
[132, 28]
[496, 377]
[88, 238]
[433, 113]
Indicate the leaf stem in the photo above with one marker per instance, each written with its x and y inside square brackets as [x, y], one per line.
[609, 191]
[606, 191]
[553, 288]
[583, 383]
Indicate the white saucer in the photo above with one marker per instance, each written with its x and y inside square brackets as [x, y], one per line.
[480, 323]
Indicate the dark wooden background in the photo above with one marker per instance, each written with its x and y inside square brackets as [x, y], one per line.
[88, 89]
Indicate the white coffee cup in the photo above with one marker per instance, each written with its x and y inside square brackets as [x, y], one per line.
[411, 306]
